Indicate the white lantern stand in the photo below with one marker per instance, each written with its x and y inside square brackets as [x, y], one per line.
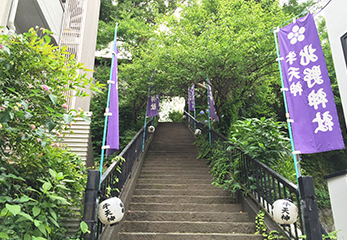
[197, 132]
[111, 211]
[284, 212]
[151, 129]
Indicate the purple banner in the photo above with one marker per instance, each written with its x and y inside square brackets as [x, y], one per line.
[153, 106]
[191, 100]
[113, 121]
[213, 113]
[310, 100]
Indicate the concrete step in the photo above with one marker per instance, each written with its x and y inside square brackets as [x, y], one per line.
[195, 192]
[174, 176]
[174, 181]
[174, 163]
[174, 198]
[187, 236]
[174, 170]
[188, 227]
[188, 216]
[186, 186]
[185, 207]
[173, 158]
[181, 199]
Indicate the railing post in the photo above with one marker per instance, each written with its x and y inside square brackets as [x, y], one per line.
[313, 229]
[90, 203]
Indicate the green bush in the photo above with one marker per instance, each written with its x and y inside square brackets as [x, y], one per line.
[176, 116]
[40, 181]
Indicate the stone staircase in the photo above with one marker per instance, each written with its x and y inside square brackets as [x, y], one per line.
[174, 198]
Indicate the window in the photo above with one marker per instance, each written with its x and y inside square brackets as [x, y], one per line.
[344, 46]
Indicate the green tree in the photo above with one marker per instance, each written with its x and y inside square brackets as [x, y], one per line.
[226, 40]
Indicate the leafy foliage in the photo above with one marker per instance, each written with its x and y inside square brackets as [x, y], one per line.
[262, 229]
[176, 116]
[40, 180]
[262, 139]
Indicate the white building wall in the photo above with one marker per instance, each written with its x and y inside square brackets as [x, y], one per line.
[53, 13]
[90, 32]
[4, 13]
[336, 19]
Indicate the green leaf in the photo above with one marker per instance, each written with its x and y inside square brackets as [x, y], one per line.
[27, 216]
[21, 219]
[67, 118]
[87, 119]
[50, 124]
[4, 235]
[39, 238]
[14, 209]
[54, 215]
[52, 173]
[27, 115]
[3, 199]
[53, 221]
[42, 229]
[37, 223]
[36, 211]
[27, 237]
[84, 227]
[4, 211]
[46, 186]
[24, 198]
[53, 98]
[61, 199]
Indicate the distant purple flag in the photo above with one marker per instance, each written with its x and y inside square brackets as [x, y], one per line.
[213, 113]
[191, 96]
[311, 104]
[153, 106]
[113, 121]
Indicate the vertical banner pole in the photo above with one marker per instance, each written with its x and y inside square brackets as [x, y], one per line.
[144, 126]
[208, 107]
[295, 156]
[108, 104]
[144, 133]
[194, 119]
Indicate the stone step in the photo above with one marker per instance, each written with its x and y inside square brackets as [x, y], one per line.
[174, 181]
[174, 163]
[186, 186]
[174, 170]
[195, 192]
[174, 176]
[173, 158]
[185, 207]
[188, 227]
[181, 199]
[188, 216]
[187, 236]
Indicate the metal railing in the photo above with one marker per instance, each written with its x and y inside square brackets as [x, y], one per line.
[263, 184]
[116, 176]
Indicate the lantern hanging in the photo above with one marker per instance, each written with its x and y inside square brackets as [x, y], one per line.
[111, 211]
[151, 129]
[284, 212]
[197, 132]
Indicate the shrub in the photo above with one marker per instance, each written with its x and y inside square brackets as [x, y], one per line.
[39, 180]
[176, 116]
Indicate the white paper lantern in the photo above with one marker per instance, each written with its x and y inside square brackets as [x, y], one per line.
[284, 212]
[197, 132]
[111, 211]
[151, 129]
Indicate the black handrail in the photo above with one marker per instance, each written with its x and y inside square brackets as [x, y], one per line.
[263, 184]
[116, 175]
